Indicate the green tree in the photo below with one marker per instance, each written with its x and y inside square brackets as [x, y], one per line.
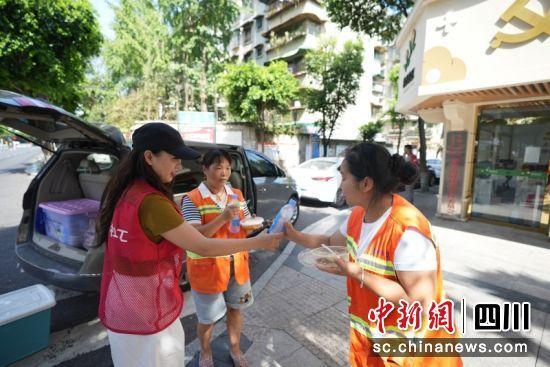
[396, 118]
[201, 31]
[336, 77]
[368, 131]
[45, 47]
[138, 58]
[98, 92]
[380, 18]
[377, 18]
[252, 91]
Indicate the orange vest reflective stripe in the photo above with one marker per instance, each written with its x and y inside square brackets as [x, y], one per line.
[378, 258]
[211, 274]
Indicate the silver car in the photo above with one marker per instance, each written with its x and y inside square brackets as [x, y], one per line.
[82, 159]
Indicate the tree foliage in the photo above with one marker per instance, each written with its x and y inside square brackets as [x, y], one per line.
[368, 131]
[336, 80]
[251, 91]
[200, 33]
[391, 115]
[165, 52]
[45, 47]
[139, 52]
[377, 18]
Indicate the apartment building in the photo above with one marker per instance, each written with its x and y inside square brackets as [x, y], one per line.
[271, 30]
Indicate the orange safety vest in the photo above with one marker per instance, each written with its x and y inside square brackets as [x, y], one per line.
[211, 274]
[378, 259]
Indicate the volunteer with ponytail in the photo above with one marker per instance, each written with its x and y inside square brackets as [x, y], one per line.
[145, 236]
[219, 285]
[392, 254]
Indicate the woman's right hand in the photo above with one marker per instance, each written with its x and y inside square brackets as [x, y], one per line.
[268, 241]
[229, 212]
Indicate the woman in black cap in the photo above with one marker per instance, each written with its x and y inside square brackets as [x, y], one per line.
[145, 236]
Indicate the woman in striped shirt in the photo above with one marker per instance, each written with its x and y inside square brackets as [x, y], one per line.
[219, 285]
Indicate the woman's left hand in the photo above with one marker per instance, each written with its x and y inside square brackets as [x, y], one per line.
[345, 268]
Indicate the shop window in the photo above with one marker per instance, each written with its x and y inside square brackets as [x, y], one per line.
[511, 167]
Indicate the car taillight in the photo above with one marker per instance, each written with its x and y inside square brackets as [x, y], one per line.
[324, 179]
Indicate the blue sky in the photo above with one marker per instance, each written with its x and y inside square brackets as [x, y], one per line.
[106, 16]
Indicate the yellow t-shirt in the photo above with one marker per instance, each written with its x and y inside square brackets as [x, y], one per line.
[157, 215]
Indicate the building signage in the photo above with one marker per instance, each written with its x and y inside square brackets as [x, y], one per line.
[409, 77]
[455, 160]
[412, 46]
[196, 119]
[538, 24]
[205, 134]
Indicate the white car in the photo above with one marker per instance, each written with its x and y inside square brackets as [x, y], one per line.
[319, 179]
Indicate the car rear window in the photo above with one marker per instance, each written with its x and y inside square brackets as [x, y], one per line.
[47, 126]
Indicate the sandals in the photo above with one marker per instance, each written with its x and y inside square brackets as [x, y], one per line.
[206, 362]
[239, 361]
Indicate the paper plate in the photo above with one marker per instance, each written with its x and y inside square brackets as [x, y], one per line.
[320, 256]
[252, 223]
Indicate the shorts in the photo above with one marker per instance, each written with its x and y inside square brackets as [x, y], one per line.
[212, 307]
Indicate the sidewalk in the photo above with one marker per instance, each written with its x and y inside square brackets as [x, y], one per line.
[299, 317]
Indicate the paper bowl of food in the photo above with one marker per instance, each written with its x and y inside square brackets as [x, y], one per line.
[252, 224]
[323, 257]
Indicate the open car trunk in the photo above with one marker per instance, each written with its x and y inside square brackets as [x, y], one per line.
[71, 174]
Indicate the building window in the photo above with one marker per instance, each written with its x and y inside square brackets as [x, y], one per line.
[375, 110]
[259, 51]
[297, 66]
[248, 35]
[247, 56]
[259, 22]
[237, 37]
[377, 88]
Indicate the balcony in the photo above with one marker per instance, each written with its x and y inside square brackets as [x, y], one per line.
[283, 14]
[287, 37]
[291, 48]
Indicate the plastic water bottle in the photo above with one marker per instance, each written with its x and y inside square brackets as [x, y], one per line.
[235, 222]
[284, 215]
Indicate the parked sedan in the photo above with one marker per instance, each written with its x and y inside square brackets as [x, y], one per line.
[83, 157]
[319, 179]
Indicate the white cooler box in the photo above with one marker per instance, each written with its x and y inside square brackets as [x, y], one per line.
[24, 322]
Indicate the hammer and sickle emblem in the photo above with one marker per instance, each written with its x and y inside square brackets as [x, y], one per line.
[539, 24]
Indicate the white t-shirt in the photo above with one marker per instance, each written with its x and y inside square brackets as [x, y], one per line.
[414, 251]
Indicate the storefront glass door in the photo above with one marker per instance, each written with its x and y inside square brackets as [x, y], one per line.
[511, 168]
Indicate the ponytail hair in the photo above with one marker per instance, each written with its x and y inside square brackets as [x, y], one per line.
[374, 161]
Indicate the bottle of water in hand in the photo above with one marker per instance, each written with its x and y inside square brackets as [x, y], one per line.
[235, 222]
[284, 215]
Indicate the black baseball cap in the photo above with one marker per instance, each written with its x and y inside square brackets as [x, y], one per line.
[159, 136]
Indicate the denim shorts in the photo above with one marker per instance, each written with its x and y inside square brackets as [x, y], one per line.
[212, 307]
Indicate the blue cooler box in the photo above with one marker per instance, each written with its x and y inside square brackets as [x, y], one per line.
[24, 322]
